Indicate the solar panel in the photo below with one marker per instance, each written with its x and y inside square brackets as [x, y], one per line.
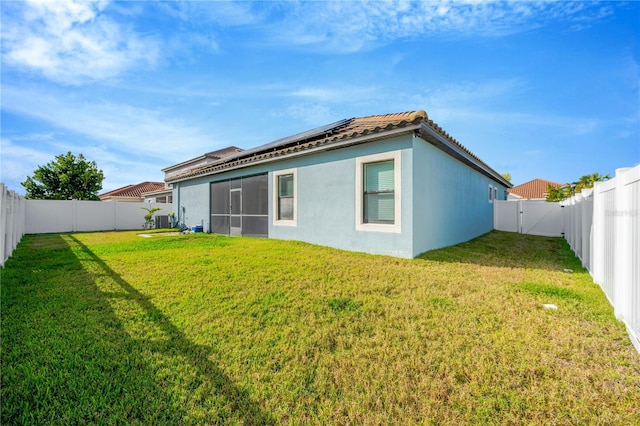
[289, 140]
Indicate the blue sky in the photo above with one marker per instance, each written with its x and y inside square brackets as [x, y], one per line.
[537, 89]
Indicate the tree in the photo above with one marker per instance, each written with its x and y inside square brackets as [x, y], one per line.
[555, 194]
[148, 217]
[66, 178]
[587, 181]
[506, 176]
[570, 189]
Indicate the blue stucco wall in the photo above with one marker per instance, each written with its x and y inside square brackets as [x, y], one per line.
[451, 202]
[444, 202]
[327, 201]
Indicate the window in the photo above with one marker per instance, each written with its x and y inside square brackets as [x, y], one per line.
[490, 194]
[495, 193]
[284, 200]
[378, 192]
[285, 197]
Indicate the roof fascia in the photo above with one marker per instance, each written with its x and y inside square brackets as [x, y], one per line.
[330, 146]
[158, 191]
[435, 138]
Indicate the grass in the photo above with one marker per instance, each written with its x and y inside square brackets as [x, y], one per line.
[112, 328]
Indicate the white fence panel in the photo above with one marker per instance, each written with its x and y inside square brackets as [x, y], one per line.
[12, 221]
[541, 218]
[528, 217]
[506, 216]
[603, 229]
[94, 216]
[48, 216]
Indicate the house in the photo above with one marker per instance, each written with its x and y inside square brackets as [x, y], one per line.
[394, 184]
[535, 189]
[144, 191]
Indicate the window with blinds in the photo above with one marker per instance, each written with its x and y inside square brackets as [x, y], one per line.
[378, 185]
[285, 204]
[379, 195]
[285, 197]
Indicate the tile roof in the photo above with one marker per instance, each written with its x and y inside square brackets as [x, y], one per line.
[134, 190]
[536, 188]
[341, 131]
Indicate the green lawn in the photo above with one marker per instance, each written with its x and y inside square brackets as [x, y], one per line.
[113, 328]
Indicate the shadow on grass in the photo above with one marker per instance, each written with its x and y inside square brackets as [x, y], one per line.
[67, 358]
[510, 250]
[235, 399]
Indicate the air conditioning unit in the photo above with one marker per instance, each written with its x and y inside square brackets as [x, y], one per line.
[162, 221]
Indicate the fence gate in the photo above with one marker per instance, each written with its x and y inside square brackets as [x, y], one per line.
[528, 217]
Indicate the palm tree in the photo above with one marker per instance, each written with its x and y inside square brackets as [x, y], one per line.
[587, 181]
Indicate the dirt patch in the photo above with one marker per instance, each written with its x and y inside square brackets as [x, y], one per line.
[157, 234]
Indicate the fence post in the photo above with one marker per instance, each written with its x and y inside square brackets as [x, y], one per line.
[623, 249]
[597, 247]
[586, 212]
[520, 213]
[3, 223]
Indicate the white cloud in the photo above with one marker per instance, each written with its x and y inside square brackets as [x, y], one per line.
[220, 12]
[18, 161]
[339, 94]
[72, 42]
[482, 103]
[343, 27]
[118, 127]
[311, 114]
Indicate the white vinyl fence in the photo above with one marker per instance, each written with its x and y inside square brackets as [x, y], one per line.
[602, 226]
[528, 217]
[12, 221]
[19, 216]
[46, 216]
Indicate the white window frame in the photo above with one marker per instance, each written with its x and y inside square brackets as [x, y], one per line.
[395, 227]
[491, 193]
[285, 222]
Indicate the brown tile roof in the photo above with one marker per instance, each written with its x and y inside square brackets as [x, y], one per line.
[134, 190]
[536, 188]
[338, 132]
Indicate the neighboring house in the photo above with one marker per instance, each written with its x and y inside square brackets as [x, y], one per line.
[393, 184]
[535, 189]
[164, 195]
[145, 191]
[199, 162]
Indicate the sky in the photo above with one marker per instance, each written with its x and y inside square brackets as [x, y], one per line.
[545, 89]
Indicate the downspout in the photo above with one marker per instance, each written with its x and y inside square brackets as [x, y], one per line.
[177, 188]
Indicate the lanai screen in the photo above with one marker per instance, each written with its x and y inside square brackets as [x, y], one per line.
[240, 206]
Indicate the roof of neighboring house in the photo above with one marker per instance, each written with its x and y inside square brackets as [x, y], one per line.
[131, 191]
[536, 188]
[206, 158]
[344, 132]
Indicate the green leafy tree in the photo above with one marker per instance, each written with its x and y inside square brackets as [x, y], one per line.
[555, 194]
[66, 178]
[506, 176]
